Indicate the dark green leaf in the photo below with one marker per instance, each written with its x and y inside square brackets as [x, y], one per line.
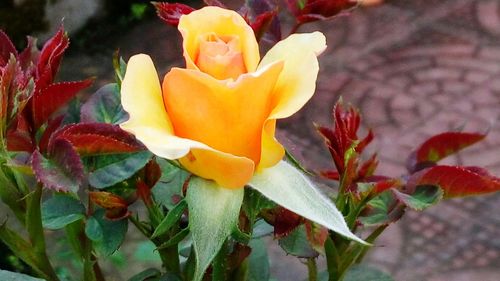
[113, 234]
[423, 197]
[296, 244]
[115, 172]
[93, 229]
[364, 273]
[61, 210]
[104, 106]
[170, 219]
[258, 261]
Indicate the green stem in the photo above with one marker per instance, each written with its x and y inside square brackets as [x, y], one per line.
[370, 239]
[312, 269]
[332, 259]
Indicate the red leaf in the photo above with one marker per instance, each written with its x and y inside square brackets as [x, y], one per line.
[50, 99]
[52, 127]
[285, 221]
[170, 13]
[144, 192]
[62, 170]
[116, 207]
[317, 235]
[152, 173]
[50, 58]
[457, 181]
[332, 175]
[29, 56]
[262, 23]
[97, 138]
[19, 136]
[6, 48]
[313, 10]
[439, 147]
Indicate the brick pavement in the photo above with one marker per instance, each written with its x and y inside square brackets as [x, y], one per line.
[415, 68]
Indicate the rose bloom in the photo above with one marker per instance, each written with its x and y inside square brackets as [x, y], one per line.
[218, 115]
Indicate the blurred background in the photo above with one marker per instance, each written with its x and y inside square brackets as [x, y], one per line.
[414, 68]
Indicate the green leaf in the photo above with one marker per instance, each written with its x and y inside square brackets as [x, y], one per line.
[289, 188]
[170, 184]
[213, 215]
[364, 272]
[296, 244]
[104, 106]
[175, 240]
[14, 276]
[383, 209]
[93, 229]
[146, 252]
[61, 210]
[170, 219]
[423, 197]
[113, 234]
[258, 261]
[124, 167]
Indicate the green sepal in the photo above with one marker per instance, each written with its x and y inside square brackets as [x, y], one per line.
[170, 219]
[213, 215]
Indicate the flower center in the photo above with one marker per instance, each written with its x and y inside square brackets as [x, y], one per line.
[220, 56]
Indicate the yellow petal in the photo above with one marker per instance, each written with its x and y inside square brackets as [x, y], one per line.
[297, 81]
[222, 22]
[272, 150]
[227, 170]
[148, 120]
[141, 96]
[225, 115]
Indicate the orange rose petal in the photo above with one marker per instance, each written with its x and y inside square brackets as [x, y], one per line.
[227, 116]
[227, 170]
[223, 23]
[297, 81]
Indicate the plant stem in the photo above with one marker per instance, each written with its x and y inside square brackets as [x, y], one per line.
[332, 259]
[312, 269]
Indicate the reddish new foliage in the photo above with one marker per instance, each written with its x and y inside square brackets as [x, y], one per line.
[170, 13]
[313, 10]
[458, 181]
[439, 147]
[116, 207]
[285, 221]
[344, 136]
[97, 138]
[29, 95]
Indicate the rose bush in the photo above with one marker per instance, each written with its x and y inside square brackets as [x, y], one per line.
[218, 115]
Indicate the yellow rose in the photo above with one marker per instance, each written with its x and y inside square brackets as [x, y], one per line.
[218, 115]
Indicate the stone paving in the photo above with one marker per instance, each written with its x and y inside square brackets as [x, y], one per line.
[415, 68]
